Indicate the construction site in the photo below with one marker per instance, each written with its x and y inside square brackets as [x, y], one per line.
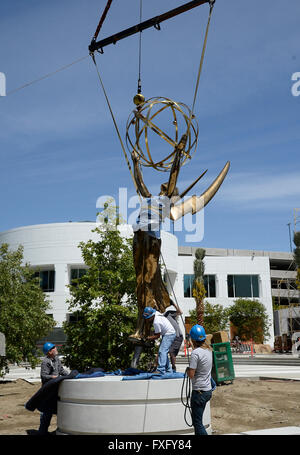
[106, 326]
[253, 401]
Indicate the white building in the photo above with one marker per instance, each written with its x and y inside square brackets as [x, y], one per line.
[53, 249]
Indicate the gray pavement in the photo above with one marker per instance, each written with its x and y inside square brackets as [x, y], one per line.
[22, 372]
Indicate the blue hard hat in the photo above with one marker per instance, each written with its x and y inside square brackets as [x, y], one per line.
[47, 347]
[197, 333]
[148, 312]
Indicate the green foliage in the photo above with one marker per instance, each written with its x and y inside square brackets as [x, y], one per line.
[297, 239]
[199, 291]
[215, 317]
[250, 319]
[100, 338]
[23, 306]
[105, 304]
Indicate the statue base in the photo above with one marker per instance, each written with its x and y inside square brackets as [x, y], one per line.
[109, 406]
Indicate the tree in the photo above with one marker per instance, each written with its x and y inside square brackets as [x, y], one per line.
[250, 319]
[215, 317]
[23, 306]
[104, 302]
[199, 291]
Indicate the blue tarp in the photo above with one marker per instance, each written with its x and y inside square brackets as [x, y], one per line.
[131, 374]
[99, 372]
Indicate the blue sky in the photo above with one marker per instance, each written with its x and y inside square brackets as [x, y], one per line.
[59, 149]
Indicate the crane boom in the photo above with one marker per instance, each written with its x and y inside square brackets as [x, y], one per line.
[153, 22]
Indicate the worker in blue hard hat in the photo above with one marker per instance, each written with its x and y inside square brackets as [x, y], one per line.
[162, 328]
[199, 371]
[51, 368]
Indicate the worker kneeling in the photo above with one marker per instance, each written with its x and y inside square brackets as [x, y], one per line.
[199, 371]
[162, 327]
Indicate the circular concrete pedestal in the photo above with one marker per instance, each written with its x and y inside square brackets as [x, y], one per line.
[108, 405]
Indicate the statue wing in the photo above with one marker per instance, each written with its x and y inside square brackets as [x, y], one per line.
[196, 203]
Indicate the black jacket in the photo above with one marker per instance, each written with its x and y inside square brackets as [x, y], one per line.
[45, 399]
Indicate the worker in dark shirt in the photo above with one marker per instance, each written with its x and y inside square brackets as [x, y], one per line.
[51, 368]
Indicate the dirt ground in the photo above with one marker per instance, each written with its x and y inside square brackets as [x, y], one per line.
[14, 418]
[252, 404]
[245, 404]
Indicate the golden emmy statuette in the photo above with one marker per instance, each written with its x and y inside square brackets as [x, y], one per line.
[181, 140]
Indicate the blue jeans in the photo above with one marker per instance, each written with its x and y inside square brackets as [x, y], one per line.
[198, 403]
[45, 419]
[164, 365]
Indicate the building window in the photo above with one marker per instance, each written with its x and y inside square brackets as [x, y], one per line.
[74, 317]
[75, 274]
[209, 284]
[187, 285]
[243, 286]
[47, 280]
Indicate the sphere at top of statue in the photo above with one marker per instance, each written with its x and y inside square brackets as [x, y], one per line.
[143, 131]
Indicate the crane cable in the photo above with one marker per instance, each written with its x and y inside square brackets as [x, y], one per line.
[108, 4]
[45, 76]
[139, 89]
[186, 389]
[115, 124]
[211, 6]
